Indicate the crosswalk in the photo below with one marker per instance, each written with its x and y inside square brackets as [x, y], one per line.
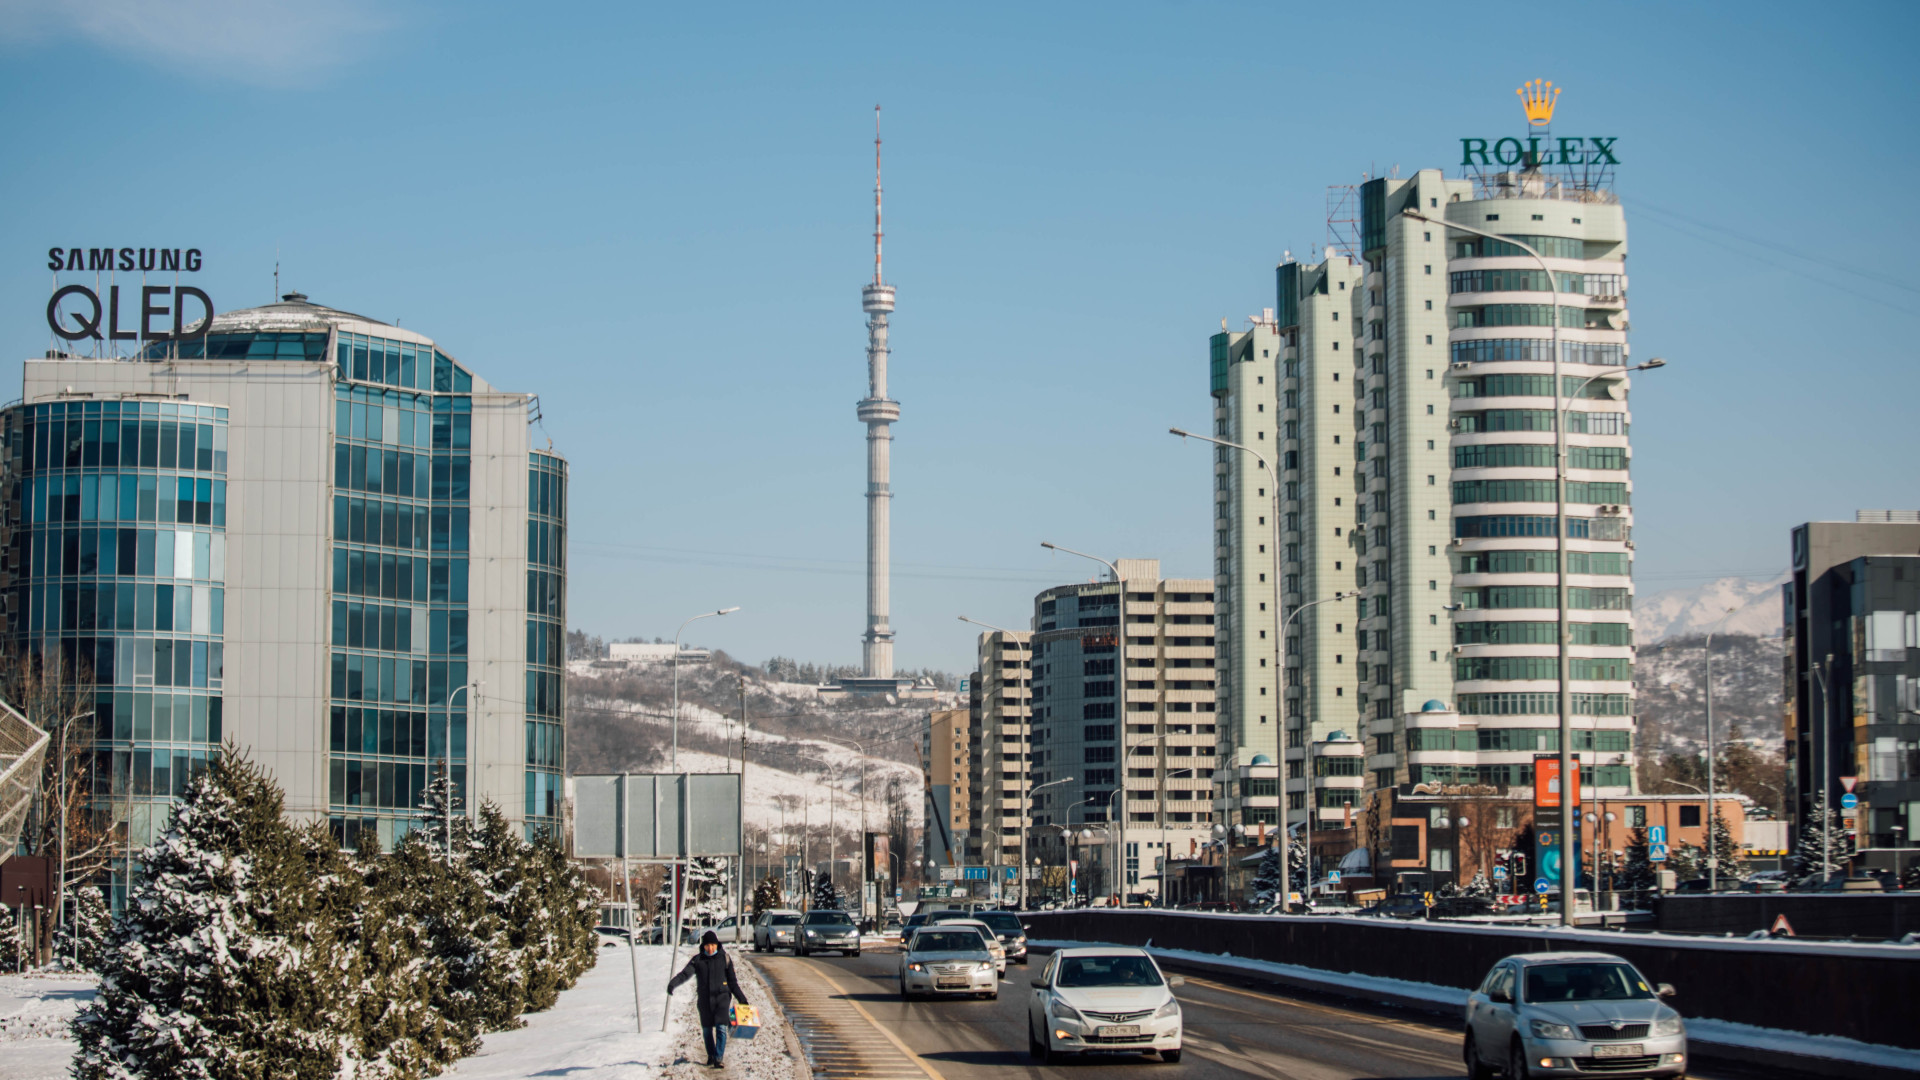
[841, 1039]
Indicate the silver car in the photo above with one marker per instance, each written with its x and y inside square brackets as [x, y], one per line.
[775, 929]
[1572, 1014]
[947, 960]
[826, 930]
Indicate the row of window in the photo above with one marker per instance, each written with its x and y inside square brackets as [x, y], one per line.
[399, 525]
[1504, 526]
[1612, 563]
[544, 690]
[399, 363]
[1550, 247]
[1511, 775]
[1530, 385]
[1517, 279]
[185, 500]
[1586, 492]
[156, 773]
[165, 553]
[379, 784]
[546, 643]
[128, 606]
[1539, 351]
[145, 716]
[387, 576]
[1578, 423]
[394, 680]
[1579, 598]
[269, 345]
[129, 442]
[378, 471]
[1541, 633]
[1530, 315]
[1527, 703]
[1544, 740]
[1610, 669]
[545, 590]
[546, 543]
[412, 629]
[396, 732]
[1536, 456]
[546, 745]
[131, 662]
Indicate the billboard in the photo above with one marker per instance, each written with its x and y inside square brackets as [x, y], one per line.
[661, 816]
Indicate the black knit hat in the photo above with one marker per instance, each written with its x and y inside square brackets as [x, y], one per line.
[709, 938]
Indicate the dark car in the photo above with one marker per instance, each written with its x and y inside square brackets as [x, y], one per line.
[1398, 907]
[1455, 907]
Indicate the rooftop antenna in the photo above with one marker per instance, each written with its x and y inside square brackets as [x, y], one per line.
[276, 271]
[876, 195]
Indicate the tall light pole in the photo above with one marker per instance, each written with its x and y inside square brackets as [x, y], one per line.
[675, 766]
[1120, 697]
[1027, 810]
[1279, 657]
[1306, 757]
[865, 870]
[1820, 787]
[448, 808]
[1713, 854]
[1026, 752]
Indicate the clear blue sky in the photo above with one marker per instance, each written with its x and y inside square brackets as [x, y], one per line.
[659, 220]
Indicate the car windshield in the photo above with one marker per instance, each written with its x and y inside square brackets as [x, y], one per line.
[1585, 982]
[1108, 971]
[1003, 922]
[948, 941]
[784, 920]
[828, 918]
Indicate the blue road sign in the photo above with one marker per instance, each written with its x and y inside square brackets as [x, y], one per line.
[1656, 853]
[1009, 873]
[1499, 873]
[1849, 801]
[1541, 885]
[1656, 834]
[1333, 877]
[975, 873]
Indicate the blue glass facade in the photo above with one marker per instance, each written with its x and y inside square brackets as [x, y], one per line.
[402, 480]
[546, 638]
[118, 571]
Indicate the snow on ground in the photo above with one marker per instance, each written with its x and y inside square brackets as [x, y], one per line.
[808, 797]
[34, 1010]
[766, 1056]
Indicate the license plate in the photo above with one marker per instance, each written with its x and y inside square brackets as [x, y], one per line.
[1614, 1050]
[1117, 1031]
[952, 984]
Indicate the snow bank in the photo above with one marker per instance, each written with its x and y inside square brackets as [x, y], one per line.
[590, 1033]
[34, 1010]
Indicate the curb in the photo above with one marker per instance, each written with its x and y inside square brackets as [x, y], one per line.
[1706, 1050]
[802, 1068]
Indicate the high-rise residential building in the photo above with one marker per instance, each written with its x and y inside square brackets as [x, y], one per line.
[1852, 618]
[944, 752]
[1123, 701]
[311, 535]
[1000, 704]
[1425, 368]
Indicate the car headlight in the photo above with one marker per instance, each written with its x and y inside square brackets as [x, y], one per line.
[1669, 1026]
[916, 967]
[1064, 1011]
[1171, 1008]
[1547, 1029]
[984, 965]
[812, 933]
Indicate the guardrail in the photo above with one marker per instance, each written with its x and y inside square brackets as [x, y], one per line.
[1860, 916]
[1863, 992]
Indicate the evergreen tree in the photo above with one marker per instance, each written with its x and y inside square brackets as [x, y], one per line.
[825, 896]
[226, 961]
[82, 945]
[1266, 878]
[1636, 877]
[766, 895]
[1300, 859]
[1822, 840]
[9, 939]
[1733, 862]
[400, 1035]
[709, 892]
[569, 905]
[1479, 886]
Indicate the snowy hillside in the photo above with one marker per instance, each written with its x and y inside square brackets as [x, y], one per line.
[1676, 612]
[1669, 677]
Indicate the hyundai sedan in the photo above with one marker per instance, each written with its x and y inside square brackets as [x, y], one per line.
[1109, 999]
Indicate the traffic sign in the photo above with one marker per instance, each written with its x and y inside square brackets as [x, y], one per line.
[1333, 877]
[1541, 885]
[950, 873]
[1499, 873]
[1656, 853]
[1009, 873]
[975, 873]
[1781, 927]
[1656, 834]
[1847, 782]
[1849, 801]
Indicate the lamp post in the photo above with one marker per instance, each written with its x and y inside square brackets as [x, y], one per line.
[1279, 658]
[1026, 755]
[865, 869]
[448, 808]
[1119, 680]
[1713, 853]
[1027, 809]
[1164, 857]
[1819, 786]
[1306, 758]
[675, 766]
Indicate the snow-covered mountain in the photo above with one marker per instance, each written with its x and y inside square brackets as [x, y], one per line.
[1679, 612]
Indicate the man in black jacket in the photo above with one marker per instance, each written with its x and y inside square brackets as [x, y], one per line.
[713, 983]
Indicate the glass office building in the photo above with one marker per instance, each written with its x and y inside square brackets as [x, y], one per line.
[271, 537]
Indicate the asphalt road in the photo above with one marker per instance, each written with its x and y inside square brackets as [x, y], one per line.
[854, 1026]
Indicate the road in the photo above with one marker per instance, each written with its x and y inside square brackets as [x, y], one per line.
[854, 1026]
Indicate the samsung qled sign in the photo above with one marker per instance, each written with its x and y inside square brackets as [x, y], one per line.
[79, 312]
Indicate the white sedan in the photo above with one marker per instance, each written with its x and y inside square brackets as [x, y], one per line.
[1109, 999]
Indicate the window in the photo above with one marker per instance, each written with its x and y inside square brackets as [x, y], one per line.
[1636, 817]
[1690, 817]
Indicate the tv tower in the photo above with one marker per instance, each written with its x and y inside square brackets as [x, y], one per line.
[878, 412]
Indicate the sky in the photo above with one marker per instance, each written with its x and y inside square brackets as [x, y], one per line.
[658, 218]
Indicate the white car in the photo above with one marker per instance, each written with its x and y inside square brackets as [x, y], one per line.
[992, 939]
[942, 960]
[1109, 999]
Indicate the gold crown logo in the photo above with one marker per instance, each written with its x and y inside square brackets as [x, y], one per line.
[1538, 98]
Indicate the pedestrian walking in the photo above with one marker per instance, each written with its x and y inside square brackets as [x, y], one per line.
[711, 970]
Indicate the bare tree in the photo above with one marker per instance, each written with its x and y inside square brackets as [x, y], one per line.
[67, 826]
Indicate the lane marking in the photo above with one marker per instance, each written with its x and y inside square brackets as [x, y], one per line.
[1358, 1019]
[932, 1073]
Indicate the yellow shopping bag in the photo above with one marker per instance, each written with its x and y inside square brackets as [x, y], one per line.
[746, 1022]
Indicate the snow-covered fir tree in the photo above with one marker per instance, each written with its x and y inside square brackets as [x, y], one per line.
[1266, 878]
[81, 934]
[766, 895]
[1300, 859]
[825, 896]
[226, 962]
[399, 1034]
[1479, 886]
[1636, 876]
[1733, 861]
[9, 939]
[709, 892]
[1822, 840]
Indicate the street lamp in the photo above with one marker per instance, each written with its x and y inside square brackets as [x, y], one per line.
[1119, 679]
[865, 869]
[1279, 658]
[1713, 853]
[448, 808]
[1568, 812]
[675, 766]
[1306, 761]
[1027, 811]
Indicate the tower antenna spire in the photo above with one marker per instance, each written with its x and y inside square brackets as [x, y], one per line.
[876, 195]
